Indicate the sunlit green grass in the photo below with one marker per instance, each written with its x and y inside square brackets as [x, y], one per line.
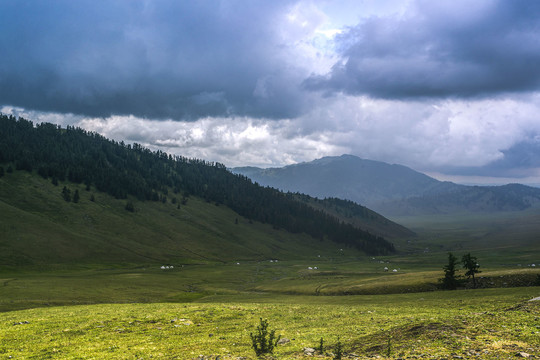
[495, 323]
[70, 290]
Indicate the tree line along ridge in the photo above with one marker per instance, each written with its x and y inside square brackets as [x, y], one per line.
[76, 155]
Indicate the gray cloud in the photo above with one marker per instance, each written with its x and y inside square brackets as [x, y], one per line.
[521, 160]
[440, 49]
[162, 59]
[444, 86]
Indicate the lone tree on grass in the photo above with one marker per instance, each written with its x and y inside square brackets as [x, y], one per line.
[450, 281]
[471, 265]
[76, 196]
[130, 207]
[66, 194]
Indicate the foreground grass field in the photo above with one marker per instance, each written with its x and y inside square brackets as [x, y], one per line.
[483, 324]
[210, 310]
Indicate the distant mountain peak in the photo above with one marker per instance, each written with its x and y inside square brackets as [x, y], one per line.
[390, 188]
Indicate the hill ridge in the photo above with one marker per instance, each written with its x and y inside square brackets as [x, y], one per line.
[390, 189]
[133, 173]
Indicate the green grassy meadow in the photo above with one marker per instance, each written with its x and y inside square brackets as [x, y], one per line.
[84, 281]
[210, 309]
[483, 324]
[39, 229]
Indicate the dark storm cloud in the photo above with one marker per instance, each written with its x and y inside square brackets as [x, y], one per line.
[440, 49]
[156, 59]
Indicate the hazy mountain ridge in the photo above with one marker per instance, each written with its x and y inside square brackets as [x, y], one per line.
[391, 189]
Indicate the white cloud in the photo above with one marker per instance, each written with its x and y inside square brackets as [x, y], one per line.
[232, 141]
[426, 135]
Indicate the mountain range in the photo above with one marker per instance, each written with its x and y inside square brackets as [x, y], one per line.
[390, 189]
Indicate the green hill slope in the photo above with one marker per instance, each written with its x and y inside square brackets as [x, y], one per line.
[123, 170]
[71, 196]
[39, 228]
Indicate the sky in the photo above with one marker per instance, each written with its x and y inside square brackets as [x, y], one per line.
[449, 88]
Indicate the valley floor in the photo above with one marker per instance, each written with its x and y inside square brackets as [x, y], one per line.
[208, 312]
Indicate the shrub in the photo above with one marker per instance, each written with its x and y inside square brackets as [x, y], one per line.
[264, 341]
[320, 348]
[130, 207]
[389, 347]
[338, 350]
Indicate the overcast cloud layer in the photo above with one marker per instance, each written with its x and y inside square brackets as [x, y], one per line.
[439, 49]
[446, 87]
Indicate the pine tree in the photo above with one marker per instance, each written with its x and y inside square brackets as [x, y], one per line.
[450, 281]
[76, 196]
[66, 194]
[471, 265]
[130, 207]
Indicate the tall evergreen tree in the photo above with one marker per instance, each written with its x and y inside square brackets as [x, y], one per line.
[130, 207]
[450, 281]
[66, 194]
[76, 196]
[470, 263]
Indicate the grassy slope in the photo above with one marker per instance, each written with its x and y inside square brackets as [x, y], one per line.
[482, 324]
[74, 249]
[38, 227]
[222, 302]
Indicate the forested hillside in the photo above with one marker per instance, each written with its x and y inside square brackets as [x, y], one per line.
[358, 215]
[365, 182]
[125, 171]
